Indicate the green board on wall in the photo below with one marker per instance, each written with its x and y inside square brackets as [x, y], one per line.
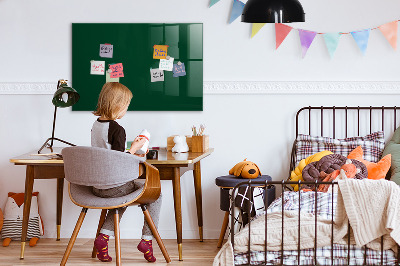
[133, 47]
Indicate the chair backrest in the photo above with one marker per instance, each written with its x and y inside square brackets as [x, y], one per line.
[91, 166]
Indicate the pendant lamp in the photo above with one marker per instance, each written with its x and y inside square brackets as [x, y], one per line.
[273, 11]
[64, 96]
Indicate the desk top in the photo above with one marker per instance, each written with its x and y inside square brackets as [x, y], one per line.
[164, 157]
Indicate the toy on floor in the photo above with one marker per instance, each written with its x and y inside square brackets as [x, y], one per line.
[13, 215]
[245, 169]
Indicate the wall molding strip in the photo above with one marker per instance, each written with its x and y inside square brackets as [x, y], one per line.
[245, 87]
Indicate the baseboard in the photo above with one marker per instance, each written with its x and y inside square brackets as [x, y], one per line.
[245, 87]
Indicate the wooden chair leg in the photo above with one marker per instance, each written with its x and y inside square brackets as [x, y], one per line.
[154, 230]
[223, 229]
[117, 238]
[73, 237]
[101, 222]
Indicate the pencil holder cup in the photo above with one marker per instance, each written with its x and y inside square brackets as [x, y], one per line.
[200, 143]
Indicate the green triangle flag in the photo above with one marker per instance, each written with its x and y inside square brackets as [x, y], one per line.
[256, 28]
[332, 41]
[213, 2]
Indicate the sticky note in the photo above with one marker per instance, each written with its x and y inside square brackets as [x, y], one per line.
[166, 64]
[116, 70]
[106, 50]
[179, 70]
[156, 75]
[160, 51]
[97, 67]
[110, 79]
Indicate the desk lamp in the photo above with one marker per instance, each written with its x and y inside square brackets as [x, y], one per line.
[273, 11]
[64, 96]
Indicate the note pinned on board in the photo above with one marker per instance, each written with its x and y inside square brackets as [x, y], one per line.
[97, 67]
[110, 79]
[156, 75]
[166, 64]
[117, 70]
[179, 70]
[160, 51]
[106, 50]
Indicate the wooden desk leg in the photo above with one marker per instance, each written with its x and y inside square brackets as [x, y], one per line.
[176, 183]
[60, 190]
[27, 206]
[199, 204]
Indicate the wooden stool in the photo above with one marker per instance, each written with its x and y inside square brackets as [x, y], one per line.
[226, 183]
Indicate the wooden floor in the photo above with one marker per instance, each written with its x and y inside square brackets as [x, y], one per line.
[50, 252]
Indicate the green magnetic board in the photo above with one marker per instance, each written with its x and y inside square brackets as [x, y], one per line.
[133, 47]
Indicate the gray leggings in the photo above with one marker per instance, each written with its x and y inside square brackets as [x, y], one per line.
[154, 208]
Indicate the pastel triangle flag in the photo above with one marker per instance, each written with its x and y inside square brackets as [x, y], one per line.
[306, 39]
[237, 9]
[281, 31]
[213, 2]
[332, 41]
[389, 30]
[361, 37]
[256, 28]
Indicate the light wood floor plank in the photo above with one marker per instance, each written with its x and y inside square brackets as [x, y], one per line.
[49, 252]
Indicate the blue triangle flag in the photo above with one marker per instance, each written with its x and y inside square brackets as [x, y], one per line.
[237, 9]
[332, 41]
[361, 37]
[213, 2]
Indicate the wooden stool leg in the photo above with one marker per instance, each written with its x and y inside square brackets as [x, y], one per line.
[154, 230]
[223, 229]
[101, 222]
[73, 237]
[117, 238]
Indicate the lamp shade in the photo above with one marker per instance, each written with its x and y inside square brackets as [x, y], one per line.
[273, 11]
[65, 96]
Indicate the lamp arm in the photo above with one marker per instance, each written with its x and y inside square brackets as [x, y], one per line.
[54, 126]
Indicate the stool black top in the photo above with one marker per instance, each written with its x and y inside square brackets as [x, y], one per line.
[230, 181]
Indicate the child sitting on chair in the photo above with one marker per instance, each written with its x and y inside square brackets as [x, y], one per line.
[106, 133]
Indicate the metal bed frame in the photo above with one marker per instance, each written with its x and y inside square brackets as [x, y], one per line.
[283, 184]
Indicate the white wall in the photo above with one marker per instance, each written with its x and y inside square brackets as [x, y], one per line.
[36, 47]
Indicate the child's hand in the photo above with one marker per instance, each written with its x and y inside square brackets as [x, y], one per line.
[137, 144]
[143, 155]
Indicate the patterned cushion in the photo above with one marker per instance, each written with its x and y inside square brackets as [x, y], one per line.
[372, 144]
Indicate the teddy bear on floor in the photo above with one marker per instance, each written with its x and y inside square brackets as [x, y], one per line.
[13, 215]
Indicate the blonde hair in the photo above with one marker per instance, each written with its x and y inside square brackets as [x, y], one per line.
[112, 99]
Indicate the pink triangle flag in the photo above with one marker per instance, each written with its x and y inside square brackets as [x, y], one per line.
[306, 39]
[389, 30]
[281, 31]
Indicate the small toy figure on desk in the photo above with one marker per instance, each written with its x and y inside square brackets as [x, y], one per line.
[180, 144]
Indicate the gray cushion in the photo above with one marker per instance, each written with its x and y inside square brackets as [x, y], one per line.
[83, 195]
[393, 148]
[99, 167]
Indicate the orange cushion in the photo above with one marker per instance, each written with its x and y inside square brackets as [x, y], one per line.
[375, 170]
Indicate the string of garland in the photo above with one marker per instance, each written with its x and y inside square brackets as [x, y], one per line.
[361, 37]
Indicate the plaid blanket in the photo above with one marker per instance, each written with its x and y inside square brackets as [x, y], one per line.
[323, 205]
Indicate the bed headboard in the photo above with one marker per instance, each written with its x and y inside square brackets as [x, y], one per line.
[344, 121]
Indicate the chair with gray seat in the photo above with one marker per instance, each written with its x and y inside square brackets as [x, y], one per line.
[85, 167]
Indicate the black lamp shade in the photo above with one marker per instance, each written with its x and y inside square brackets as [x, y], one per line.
[273, 11]
[65, 96]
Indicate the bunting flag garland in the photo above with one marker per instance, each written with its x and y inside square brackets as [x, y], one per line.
[213, 2]
[281, 31]
[237, 9]
[306, 39]
[389, 30]
[256, 28]
[332, 41]
[361, 37]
